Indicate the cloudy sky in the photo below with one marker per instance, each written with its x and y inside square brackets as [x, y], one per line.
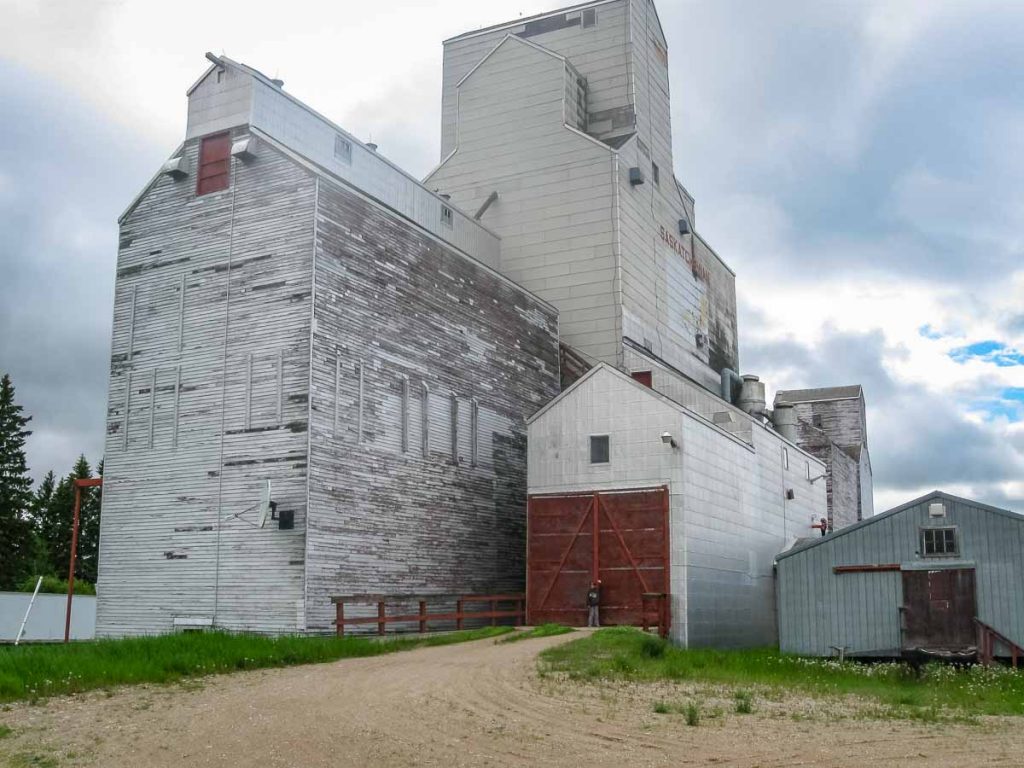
[858, 164]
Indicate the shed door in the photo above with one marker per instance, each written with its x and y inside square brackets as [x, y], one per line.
[938, 609]
[619, 537]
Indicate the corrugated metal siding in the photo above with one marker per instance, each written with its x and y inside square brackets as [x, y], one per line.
[819, 609]
[182, 473]
[402, 307]
[728, 511]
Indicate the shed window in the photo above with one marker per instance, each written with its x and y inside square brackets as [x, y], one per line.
[936, 542]
[214, 164]
[599, 453]
[447, 217]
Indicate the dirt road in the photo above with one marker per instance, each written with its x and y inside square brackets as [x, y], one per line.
[477, 704]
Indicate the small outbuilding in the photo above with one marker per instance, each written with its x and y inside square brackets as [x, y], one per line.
[940, 574]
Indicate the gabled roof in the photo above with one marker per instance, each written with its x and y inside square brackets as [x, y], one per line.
[850, 392]
[525, 19]
[895, 511]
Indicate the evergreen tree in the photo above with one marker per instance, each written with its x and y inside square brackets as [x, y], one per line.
[56, 519]
[89, 531]
[15, 490]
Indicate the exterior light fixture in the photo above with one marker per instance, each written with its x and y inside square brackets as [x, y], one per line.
[667, 439]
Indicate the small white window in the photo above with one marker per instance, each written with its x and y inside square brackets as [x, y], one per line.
[655, 174]
[447, 216]
[342, 149]
[808, 470]
[785, 457]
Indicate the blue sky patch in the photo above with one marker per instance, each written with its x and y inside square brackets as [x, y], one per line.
[994, 352]
[928, 332]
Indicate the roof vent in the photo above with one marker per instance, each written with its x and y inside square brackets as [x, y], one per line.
[636, 176]
[244, 148]
[937, 509]
[176, 167]
[278, 83]
[372, 146]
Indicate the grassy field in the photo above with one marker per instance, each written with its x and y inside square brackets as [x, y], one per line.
[37, 671]
[628, 654]
[544, 630]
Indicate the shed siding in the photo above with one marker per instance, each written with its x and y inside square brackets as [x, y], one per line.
[728, 512]
[394, 305]
[819, 609]
[183, 468]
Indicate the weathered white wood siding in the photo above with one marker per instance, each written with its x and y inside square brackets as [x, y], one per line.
[729, 514]
[556, 199]
[204, 286]
[410, 340]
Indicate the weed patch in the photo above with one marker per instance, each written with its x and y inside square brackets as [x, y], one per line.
[34, 672]
[941, 692]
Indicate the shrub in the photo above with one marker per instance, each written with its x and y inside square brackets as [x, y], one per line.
[692, 714]
[53, 586]
[744, 703]
[652, 647]
[661, 708]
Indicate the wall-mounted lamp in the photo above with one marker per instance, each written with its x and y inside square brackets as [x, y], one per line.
[667, 439]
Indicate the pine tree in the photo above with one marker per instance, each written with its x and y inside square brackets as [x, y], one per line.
[89, 532]
[56, 519]
[15, 490]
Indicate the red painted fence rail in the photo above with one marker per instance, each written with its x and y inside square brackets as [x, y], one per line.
[501, 606]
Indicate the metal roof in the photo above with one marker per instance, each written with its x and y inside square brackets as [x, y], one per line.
[895, 511]
[849, 392]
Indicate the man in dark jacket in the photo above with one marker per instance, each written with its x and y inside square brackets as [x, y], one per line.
[593, 601]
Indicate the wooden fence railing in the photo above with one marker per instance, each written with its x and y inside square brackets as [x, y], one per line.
[504, 606]
[987, 638]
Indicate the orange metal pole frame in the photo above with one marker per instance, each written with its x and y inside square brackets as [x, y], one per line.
[89, 482]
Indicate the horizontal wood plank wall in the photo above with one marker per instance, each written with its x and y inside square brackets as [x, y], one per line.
[401, 307]
[204, 285]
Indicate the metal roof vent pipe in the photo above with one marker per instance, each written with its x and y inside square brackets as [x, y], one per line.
[731, 383]
[752, 396]
[372, 146]
[784, 418]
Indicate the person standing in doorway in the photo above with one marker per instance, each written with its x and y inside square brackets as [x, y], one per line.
[593, 601]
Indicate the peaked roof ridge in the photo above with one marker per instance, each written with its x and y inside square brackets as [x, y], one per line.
[842, 392]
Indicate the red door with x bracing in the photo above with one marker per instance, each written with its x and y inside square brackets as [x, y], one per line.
[619, 537]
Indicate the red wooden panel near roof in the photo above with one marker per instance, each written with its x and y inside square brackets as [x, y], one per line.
[644, 377]
[214, 164]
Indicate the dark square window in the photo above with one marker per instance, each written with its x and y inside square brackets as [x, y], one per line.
[214, 164]
[589, 17]
[447, 216]
[938, 542]
[599, 449]
[816, 420]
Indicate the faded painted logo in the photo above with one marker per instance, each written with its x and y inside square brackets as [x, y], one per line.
[698, 269]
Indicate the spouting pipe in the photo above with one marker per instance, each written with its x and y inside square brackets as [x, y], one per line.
[730, 379]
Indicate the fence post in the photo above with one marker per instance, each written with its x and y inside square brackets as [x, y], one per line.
[423, 616]
[341, 618]
[494, 609]
[381, 620]
[458, 613]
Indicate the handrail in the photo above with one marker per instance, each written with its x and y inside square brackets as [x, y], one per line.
[422, 617]
[987, 638]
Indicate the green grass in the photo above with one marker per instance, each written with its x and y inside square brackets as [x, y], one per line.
[38, 671]
[624, 653]
[5, 731]
[544, 630]
[744, 702]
